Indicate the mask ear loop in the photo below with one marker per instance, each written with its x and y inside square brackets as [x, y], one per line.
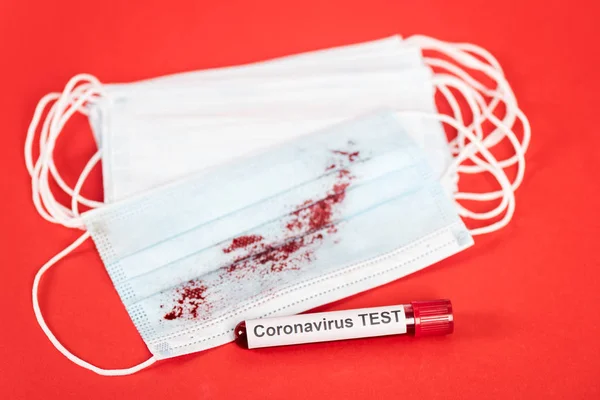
[481, 52]
[475, 105]
[55, 342]
[489, 109]
[53, 170]
[513, 112]
[82, 177]
[460, 56]
[468, 153]
[46, 148]
[64, 108]
[492, 166]
[51, 215]
[458, 52]
[43, 197]
[56, 210]
[501, 127]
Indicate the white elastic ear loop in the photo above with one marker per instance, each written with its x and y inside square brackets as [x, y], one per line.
[34, 172]
[35, 120]
[55, 342]
[82, 177]
[513, 112]
[505, 95]
[503, 87]
[519, 155]
[519, 149]
[39, 109]
[469, 61]
[55, 211]
[51, 204]
[44, 137]
[468, 153]
[80, 90]
[495, 169]
[475, 104]
[49, 200]
[481, 52]
[43, 197]
[469, 94]
[510, 101]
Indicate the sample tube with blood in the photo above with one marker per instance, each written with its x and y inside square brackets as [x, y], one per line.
[419, 318]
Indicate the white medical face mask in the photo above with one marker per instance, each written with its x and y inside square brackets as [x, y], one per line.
[380, 54]
[315, 89]
[313, 220]
[290, 74]
[199, 133]
[159, 128]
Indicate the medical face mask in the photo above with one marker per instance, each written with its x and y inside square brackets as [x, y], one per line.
[354, 61]
[277, 80]
[387, 53]
[310, 221]
[199, 133]
[165, 128]
[315, 88]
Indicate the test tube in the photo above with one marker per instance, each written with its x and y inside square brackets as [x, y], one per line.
[418, 318]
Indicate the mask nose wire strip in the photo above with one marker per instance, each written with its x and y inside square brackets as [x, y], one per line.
[50, 335]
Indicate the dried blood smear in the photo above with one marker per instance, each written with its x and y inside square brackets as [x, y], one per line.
[319, 214]
[351, 156]
[306, 226]
[190, 297]
[242, 242]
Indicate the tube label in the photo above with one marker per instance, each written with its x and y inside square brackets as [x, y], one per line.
[327, 326]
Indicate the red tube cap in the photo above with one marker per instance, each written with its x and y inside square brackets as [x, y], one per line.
[433, 318]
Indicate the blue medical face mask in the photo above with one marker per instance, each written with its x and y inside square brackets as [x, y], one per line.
[314, 220]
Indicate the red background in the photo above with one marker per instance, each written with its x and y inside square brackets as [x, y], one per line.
[527, 298]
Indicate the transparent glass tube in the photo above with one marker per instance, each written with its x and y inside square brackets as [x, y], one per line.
[418, 318]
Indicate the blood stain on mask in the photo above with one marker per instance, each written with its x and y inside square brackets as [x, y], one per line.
[351, 156]
[190, 297]
[320, 214]
[306, 227]
[242, 242]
